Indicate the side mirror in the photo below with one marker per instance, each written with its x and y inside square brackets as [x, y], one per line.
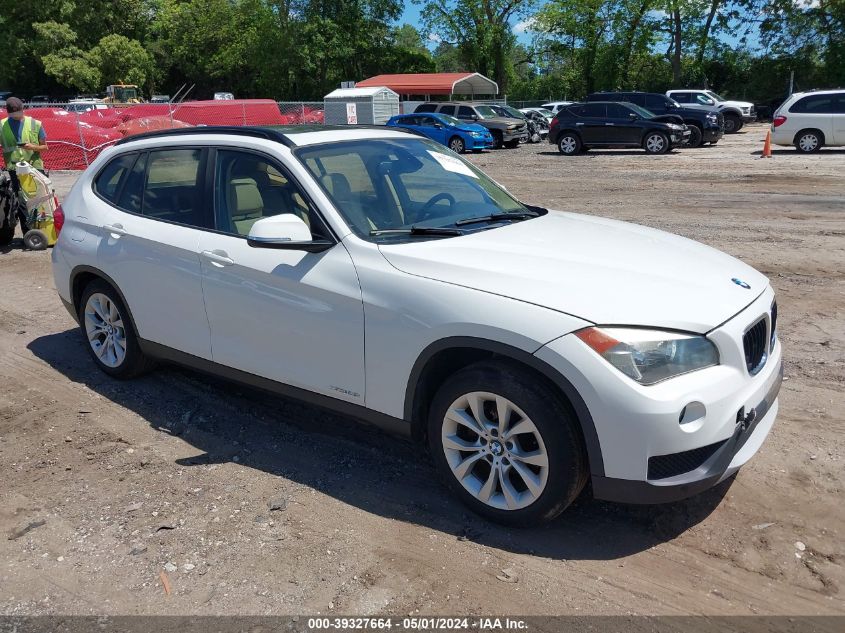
[633, 116]
[474, 117]
[438, 125]
[286, 231]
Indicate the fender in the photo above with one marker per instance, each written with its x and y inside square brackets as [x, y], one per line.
[81, 269]
[582, 413]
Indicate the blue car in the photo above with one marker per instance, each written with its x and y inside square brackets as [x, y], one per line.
[454, 134]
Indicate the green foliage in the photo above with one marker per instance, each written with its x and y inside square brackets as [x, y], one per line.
[302, 49]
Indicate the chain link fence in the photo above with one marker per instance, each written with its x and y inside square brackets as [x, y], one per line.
[78, 132]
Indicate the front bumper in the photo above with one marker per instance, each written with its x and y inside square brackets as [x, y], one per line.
[750, 117]
[724, 462]
[680, 137]
[520, 135]
[677, 437]
[482, 142]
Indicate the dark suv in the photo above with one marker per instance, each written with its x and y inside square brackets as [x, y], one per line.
[611, 124]
[706, 125]
[506, 131]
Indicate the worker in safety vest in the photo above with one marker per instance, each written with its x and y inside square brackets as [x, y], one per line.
[23, 139]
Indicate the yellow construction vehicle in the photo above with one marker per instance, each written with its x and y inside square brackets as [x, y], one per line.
[123, 93]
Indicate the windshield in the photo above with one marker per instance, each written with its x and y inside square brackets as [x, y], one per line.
[513, 112]
[646, 114]
[125, 94]
[714, 95]
[450, 119]
[485, 111]
[394, 184]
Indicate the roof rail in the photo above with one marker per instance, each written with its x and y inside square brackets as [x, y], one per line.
[271, 133]
[254, 131]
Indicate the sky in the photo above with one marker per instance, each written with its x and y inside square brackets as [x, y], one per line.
[411, 15]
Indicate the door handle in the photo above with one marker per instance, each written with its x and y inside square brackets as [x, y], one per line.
[115, 229]
[221, 258]
[610, 124]
[579, 123]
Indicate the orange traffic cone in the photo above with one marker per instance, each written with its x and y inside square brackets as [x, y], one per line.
[767, 145]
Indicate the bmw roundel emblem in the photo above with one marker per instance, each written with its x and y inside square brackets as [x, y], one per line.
[741, 283]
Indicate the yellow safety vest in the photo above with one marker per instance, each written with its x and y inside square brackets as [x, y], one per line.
[30, 133]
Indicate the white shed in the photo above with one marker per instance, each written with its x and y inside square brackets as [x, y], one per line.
[364, 106]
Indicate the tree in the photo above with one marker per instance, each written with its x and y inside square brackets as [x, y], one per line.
[480, 30]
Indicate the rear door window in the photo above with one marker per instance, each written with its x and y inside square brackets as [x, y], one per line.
[814, 104]
[595, 110]
[448, 109]
[172, 189]
[681, 97]
[655, 103]
[427, 107]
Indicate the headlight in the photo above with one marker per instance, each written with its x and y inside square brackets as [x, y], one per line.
[676, 127]
[746, 110]
[476, 134]
[514, 127]
[712, 118]
[649, 356]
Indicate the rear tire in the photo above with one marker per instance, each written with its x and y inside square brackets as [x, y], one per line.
[808, 141]
[569, 144]
[35, 240]
[520, 478]
[656, 143]
[108, 332]
[7, 234]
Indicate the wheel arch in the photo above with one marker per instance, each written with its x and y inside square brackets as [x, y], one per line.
[809, 129]
[443, 358]
[82, 276]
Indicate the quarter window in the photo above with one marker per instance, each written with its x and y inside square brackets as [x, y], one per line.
[110, 179]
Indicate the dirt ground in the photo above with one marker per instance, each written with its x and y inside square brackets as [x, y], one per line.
[106, 484]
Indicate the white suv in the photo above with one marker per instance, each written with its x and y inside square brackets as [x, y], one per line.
[376, 273]
[810, 120]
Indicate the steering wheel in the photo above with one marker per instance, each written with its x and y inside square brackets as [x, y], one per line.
[425, 212]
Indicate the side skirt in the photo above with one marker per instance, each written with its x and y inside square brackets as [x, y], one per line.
[363, 414]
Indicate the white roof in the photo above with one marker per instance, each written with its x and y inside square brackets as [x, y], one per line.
[346, 93]
[344, 133]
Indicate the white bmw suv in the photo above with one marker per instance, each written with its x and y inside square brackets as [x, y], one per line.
[376, 273]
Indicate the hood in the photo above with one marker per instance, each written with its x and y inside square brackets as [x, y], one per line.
[668, 118]
[600, 270]
[502, 120]
[472, 127]
[736, 104]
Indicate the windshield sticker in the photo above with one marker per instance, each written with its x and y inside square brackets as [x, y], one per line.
[453, 164]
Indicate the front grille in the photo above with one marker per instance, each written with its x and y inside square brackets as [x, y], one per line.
[754, 343]
[663, 466]
[774, 325]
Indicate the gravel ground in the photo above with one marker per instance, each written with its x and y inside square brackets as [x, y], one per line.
[248, 504]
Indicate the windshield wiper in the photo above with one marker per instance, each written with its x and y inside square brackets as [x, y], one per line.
[418, 230]
[494, 217]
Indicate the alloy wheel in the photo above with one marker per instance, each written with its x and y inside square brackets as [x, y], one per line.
[568, 145]
[655, 143]
[495, 451]
[105, 329]
[457, 146]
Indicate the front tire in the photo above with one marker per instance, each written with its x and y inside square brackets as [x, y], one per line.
[506, 444]
[695, 137]
[732, 124]
[108, 332]
[498, 140]
[569, 144]
[808, 141]
[456, 144]
[656, 143]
